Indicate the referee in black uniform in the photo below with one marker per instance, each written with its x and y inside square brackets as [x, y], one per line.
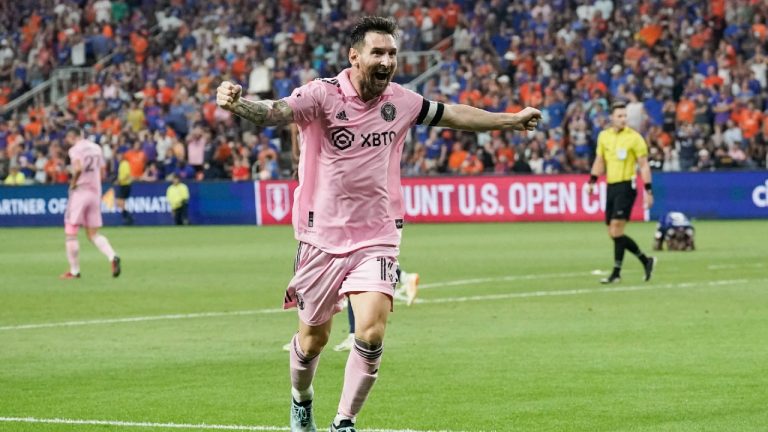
[619, 150]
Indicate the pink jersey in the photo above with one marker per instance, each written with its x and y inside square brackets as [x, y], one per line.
[349, 170]
[91, 161]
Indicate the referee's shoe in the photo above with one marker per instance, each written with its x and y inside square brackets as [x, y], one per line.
[649, 265]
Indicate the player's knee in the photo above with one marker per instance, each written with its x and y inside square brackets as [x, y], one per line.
[71, 230]
[313, 344]
[372, 335]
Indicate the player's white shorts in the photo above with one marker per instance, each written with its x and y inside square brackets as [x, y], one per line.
[321, 280]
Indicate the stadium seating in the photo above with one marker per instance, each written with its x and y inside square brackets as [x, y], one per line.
[694, 74]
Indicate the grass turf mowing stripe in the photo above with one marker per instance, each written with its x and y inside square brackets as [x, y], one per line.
[203, 426]
[527, 294]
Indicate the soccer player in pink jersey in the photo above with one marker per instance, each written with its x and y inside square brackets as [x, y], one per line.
[84, 204]
[348, 207]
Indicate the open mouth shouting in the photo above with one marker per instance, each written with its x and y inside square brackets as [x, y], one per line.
[381, 76]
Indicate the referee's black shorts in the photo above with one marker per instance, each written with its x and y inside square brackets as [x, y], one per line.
[619, 201]
[123, 191]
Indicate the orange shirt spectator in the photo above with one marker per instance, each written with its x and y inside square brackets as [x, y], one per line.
[713, 80]
[472, 166]
[418, 15]
[700, 39]
[506, 153]
[111, 125]
[451, 14]
[750, 123]
[457, 157]
[139, 44]
[299, 38]
[514, 108]
[685, 111]
[717, 8]
[35, 126]
[650, 34]
[93, 90]
[759, 30]
[136, 160]
[437, 15]
[665, 139]
[241, 171]
[75, 98]
[239, 67]
[633, 55]
[471, 97]
[165, 95]
[37, 112]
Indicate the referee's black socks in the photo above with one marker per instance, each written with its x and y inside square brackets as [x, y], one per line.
[631, 246]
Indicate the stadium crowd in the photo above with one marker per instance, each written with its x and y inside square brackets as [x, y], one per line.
[693, 74]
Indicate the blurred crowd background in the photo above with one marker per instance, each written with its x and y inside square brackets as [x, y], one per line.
[692, 72]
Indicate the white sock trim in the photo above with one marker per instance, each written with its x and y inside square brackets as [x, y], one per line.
[303, 395]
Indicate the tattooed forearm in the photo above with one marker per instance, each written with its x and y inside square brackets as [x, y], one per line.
[264, 113]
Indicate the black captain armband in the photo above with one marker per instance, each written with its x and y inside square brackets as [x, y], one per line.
[592, 179]
[431, 113]
[648, 187]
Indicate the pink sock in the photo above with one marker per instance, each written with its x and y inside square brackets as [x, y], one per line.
[302, 371]
[359, 377]
[73, 250]
[102, 243]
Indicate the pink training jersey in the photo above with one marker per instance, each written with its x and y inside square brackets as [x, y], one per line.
[91, 160]
[349, 194]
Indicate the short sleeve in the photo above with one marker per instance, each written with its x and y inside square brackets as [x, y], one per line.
[600, 147]
[306, 101]
[641, 148]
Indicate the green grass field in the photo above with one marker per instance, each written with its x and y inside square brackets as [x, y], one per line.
[513, 333]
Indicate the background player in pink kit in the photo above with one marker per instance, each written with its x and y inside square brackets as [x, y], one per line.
[84, 204]
[348, 207]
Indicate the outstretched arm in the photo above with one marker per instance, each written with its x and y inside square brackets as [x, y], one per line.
[262, 113]
[465, 117]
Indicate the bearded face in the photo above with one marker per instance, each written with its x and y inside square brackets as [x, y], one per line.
[375, 63]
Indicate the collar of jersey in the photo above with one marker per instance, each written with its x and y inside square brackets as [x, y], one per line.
[349, 90]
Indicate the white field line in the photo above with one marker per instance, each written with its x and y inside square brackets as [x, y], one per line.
[140, 319]
[420, 301]
[503, 279]
[202, 426]
[626, 288]
[734, 266]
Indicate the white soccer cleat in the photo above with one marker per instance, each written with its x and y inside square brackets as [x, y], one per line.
[411, 284]
[346, 344]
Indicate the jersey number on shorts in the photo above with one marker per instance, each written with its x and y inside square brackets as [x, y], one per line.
[389, 271]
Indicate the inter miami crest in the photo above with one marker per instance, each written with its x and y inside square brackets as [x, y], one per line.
[388, 112]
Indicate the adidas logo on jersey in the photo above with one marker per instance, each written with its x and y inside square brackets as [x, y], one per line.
[342, 116]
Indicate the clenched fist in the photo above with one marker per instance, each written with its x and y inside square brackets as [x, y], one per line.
[528, 118]
[228, 94]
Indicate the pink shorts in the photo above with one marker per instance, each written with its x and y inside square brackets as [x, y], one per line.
[83, 209]
[321, 280]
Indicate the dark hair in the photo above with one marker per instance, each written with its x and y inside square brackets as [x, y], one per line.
[372, 24]
[74, 130]
[618, 105]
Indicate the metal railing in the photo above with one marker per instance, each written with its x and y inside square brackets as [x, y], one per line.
[433, 64]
